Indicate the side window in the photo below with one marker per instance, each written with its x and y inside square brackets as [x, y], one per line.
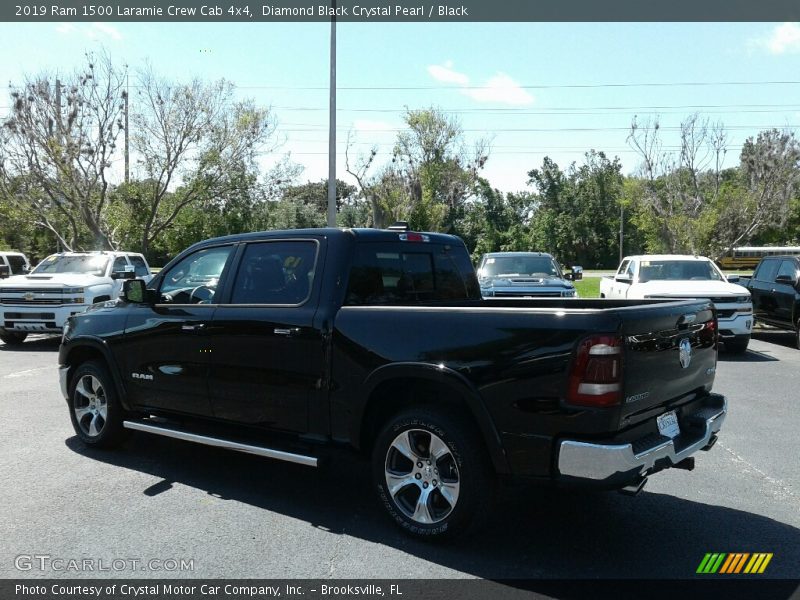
[767, 271]
[17, 264]
[787, 268]
[385, 274]
[139, 266]
[119, 264]
[631, 269]
[280, 272]
[194, 279]
[623, 267]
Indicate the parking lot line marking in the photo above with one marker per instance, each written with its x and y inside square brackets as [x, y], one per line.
[26, 372]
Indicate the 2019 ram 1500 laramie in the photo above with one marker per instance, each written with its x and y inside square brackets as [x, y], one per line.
[279, 343]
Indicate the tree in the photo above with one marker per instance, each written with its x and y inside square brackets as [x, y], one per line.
[761, 196]
[431, 174]
[57, 150]
[681, 187]
[197, 136]
[577, 216]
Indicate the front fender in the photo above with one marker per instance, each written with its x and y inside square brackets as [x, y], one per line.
[78, 346]
[443, 376]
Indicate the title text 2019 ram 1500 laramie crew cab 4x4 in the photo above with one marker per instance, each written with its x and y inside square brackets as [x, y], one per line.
[279, 343]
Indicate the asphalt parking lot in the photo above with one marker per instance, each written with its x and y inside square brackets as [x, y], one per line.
[239, 516]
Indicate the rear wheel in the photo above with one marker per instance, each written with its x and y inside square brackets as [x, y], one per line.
[12, 338]
[738, 345]
[432, 473]
[94, 406]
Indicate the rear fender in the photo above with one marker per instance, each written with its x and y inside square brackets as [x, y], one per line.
[438, 375]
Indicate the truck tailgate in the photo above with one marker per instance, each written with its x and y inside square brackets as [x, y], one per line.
[670, 353]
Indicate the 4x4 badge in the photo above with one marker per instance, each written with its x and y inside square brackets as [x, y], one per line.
[685, 352]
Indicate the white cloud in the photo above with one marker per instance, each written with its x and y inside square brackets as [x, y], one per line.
[500, 89]
[108, 30]
[446, 74]
[94, 32]
[784, 39]
[66, 28]
[367, 125]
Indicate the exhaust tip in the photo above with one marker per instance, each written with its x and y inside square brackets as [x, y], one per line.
[633, 489]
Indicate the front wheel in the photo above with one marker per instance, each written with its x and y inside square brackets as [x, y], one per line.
[12, 338]
[94, 407]
[432, 473]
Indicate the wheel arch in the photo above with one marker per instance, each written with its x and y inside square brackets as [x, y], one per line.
[390, 388]
[82, 350]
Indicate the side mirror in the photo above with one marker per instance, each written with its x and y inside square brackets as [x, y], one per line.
[623, 279]
[134, 291]
[787, 279]
[123, 274]
[732, 278]
[577, 272]
[4, 271]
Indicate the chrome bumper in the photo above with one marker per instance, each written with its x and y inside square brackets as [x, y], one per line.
[619, 462]
[63, 374]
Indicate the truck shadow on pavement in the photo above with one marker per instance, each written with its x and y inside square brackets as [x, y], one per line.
[532, 533]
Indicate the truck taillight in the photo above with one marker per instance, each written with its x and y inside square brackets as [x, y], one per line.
[596, 375]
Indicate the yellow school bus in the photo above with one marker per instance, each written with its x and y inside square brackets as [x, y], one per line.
[747, 257]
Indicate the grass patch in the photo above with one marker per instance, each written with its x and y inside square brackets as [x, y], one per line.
[588, 287]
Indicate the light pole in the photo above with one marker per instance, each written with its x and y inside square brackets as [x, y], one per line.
[332, 126]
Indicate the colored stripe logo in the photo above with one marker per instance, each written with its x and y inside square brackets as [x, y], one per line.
[734, 563]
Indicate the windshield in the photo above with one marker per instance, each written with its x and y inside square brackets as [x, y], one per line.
[674, 270]
[81, 263]
[519, 265]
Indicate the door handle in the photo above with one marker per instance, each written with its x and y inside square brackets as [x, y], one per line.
[195, 327]
[286, 331]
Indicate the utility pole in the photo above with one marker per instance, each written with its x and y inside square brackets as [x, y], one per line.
[621, 233]
[332, 126]
[60, 127]
[127, 153]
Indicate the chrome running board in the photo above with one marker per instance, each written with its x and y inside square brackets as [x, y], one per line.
[308, 461]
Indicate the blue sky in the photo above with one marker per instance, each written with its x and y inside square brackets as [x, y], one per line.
[474, 70]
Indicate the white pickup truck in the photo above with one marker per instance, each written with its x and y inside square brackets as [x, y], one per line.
[685, 276]
[60, 286]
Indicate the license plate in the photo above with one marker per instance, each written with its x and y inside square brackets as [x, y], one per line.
[668, 424]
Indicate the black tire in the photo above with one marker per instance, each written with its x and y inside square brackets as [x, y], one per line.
[94, 406]
[463, 469]
[738, 345]
[12, 338]
[797, 335]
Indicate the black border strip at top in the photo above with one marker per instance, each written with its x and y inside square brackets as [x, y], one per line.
[210, 11]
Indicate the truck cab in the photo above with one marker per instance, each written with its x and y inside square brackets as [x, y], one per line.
[63, 285]
[671, 276]
[523, 275]
[13, 263]
[775, 289]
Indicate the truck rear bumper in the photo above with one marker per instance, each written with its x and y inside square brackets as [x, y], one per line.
[616, 465]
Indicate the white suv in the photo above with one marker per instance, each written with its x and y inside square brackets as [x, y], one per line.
[62, 285]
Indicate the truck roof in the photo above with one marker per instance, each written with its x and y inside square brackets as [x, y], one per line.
[496, 254]
[364, 234]
[666, 257]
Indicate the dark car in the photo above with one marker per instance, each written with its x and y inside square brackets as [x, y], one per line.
[289, 344]
[775, 291]
[523, 275]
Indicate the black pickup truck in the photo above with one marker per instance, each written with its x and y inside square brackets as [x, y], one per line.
[286, 344]
[775, 289]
